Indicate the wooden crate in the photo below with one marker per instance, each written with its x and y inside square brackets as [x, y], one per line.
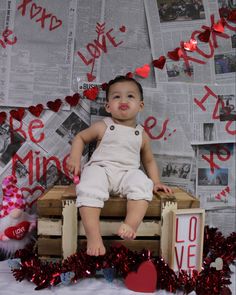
[61, 233]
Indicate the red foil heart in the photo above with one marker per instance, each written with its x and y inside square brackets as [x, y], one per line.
[191, 45]
[218, 27]
[144, 280]
[122, 29]
[73, 100]
[18, 114]
[91, 93]
[54, 105]
[143, 71]
[104, 86]
[205, 36]
[232, 16]
[3, 116]
[18, 231]
[160, 62]
[36, 110]
[174, 55]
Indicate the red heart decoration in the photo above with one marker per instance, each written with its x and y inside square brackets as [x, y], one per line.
[205, 36]
[73, 100]
[122, 29]
[104, 86]
[35, 10]
[218, 27]
[174, 54]
[160, 62]
[54, 23]
[54, 105]
[144, 280]
[3, 116]
[232, 16]
[191, 45]
[129, 75]
[90, 77]
[143, 71]
[18, 114]
[36, 110]
[91, 93]
[18, 231]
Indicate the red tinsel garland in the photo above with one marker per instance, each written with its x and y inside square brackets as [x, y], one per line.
[208, 281]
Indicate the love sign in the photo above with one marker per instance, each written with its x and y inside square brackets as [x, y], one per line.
[187, 239]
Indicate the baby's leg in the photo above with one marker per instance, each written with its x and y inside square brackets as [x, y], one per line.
[136, 210]
[90, 218]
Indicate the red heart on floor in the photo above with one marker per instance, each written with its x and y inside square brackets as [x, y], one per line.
[3, 116]
[218, 27]
[122, 29]
[90, 77]
[143, 71]
[54, 105]
[160, 62]
[191, 45]
[18, 114]
[204, 36]
[144, 280]
[174, 55]
[36, 110]
[91, 93]
[18, 231]
[73, 100]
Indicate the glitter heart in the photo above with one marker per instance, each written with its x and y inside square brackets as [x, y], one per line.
[91, 93]
[204, 36]
[18, 114]
[54, 105]
[122, 29]
[191, 45]
[129, 75]
[143, 71]
[218, 27]
[3, 116]
[174, 55]
[160, 62]
[232, 16]
[36, 110]
[218, 264]
[73, 100]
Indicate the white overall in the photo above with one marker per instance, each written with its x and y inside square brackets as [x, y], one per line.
[114, 168]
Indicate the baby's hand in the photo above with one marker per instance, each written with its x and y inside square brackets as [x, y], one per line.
[162, 187]
[73, 165]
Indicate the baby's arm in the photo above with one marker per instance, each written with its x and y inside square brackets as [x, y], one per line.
[94, 132]
[150, 165]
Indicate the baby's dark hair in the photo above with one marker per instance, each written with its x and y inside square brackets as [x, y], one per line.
[123, 79]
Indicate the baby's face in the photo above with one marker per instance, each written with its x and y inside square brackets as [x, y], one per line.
[124, 100]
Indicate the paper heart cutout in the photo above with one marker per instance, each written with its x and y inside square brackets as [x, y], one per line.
[73, 100]
[191, 45]
[36, 110]
[3, 116]
[91, 93]
[205, 36]
[160, 62]
[18, 231]
[54, 23]
[144, 280]
[174, 55]
[122, 29]
[217, 264]
[90, 77]
[143, 71]
[54, 105]
[35, 10]
[232, 16]
[218, 27]
[18, 114]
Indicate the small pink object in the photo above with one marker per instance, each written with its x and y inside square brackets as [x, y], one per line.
[76, 179]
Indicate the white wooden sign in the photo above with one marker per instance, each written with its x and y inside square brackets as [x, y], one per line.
[187, 239]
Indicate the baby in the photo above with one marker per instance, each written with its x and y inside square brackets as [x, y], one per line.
[114, 167]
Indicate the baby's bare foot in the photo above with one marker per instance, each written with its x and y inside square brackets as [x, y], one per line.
[126, 232]
[95, 246]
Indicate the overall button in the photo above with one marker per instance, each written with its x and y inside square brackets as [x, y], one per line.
[136, 132]
[112, 127]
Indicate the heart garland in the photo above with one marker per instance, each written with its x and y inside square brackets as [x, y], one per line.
[3, 116]
[143, 71]
[36, 110]
[73, 100]
[54, 105]
[160, 62]
[91, 93]
[18, 114]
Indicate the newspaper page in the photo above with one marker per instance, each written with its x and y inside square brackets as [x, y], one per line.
[213, 113]
[110, 41]
[171, 23]
[42, 73]
[215, 175]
